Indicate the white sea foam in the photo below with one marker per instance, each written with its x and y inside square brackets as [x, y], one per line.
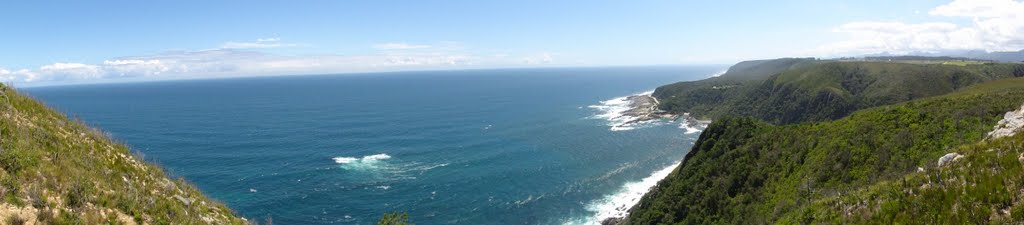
[719, 73]
[692, 129]
[530, 199]
[364, 159]
[613, 111]
[376, 157]
[617, 205]
[432, 166]
[365, 162]
[345, 160]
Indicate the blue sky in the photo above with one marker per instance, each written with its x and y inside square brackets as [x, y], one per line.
[57, 42]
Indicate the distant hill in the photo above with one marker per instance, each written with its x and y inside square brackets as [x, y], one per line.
[1017, 56]
[877, 165]
[761, 69]
[1006, 56]
[805, 90]
[54, 170]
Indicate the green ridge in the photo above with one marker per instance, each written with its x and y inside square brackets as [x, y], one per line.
[743, 170]
[54, 170]
[786, 91]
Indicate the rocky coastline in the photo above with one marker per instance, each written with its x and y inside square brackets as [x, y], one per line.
[644, 108]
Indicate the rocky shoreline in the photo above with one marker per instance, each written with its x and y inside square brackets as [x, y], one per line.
[644, 108]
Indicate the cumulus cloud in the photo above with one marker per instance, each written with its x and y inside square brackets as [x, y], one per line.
[7, 76]
[995, 25]
[399, 46]
[69, 71]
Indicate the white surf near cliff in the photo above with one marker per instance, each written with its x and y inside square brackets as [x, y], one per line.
[613, 110]
[617, 205]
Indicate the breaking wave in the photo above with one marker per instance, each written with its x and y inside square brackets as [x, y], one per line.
[692, 128]
[719, 73]
[613, 110]
[365, 162]
[617, 205]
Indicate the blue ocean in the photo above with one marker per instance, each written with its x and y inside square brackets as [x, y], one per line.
[507, 146]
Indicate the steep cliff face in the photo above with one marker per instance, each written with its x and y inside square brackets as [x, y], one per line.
[873, 165]
[54, 170]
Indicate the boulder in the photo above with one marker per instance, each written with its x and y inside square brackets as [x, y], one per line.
[949, 159]
[1009, 125]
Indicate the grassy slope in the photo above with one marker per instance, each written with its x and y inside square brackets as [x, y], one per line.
[986, 187]
[812, 91]
[745, 171]
[57, 171]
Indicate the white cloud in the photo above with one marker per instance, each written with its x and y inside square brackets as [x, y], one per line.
[6, 75]
[235, 61]
[73, 71]
[134, 67]
[543, 58]
[22, 75]
[260, 43]
[429, 60]
[399, 46]
[26, 75]
[996, 25]
[231, 63]
[76, 68]
[980, 8]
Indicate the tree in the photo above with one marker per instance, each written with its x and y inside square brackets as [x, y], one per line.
[394, 219]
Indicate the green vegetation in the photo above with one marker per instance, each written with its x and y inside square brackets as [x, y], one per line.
[394, 219]
[848, 148]
[58, 171]
[983, 188]
[815, 90]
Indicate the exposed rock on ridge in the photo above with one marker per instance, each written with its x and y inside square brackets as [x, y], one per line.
[1009, 125]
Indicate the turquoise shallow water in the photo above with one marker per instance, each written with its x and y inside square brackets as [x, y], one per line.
[517, 146]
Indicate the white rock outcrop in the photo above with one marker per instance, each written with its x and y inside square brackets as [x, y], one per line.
[1009, 125]
[949, 158]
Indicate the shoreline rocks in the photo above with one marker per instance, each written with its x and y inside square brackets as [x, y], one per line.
[644, 108]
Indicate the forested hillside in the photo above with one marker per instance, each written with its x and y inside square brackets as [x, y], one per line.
[827, 161]
[821, 90]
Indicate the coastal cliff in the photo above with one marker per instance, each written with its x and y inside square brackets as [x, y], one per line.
[845, 142]
[54, 170]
